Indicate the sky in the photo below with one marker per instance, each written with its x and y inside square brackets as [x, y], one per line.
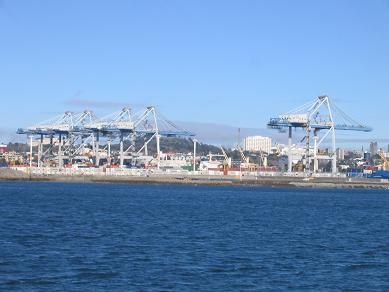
[233, 63]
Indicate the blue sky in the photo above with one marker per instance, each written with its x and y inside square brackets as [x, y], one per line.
[227, 62]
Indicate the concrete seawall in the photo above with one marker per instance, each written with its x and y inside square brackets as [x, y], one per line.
[274, 181]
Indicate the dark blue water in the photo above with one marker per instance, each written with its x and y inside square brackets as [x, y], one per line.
[92, 237]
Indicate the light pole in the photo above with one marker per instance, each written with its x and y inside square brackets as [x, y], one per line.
[194, 154]
[30, 151]
[109, 153]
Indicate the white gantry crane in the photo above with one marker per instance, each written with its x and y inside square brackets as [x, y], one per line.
[320, 116]
[73, 131]
[68, 127]
[118, 125]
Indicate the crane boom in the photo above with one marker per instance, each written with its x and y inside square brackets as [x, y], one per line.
[385, 162]
[227, 160]
[244, 158]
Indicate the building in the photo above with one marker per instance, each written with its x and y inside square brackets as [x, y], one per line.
[367, 156]
[297, 151]
[257, 143]
[373, 148]
[340, 154]
[3, 148]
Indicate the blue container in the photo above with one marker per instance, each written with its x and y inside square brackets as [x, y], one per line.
[379, 174]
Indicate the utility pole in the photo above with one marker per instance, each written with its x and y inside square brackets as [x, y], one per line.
[239, 136]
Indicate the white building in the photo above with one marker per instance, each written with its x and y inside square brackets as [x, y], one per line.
[298, 151]
[257, 143]
[340, 154]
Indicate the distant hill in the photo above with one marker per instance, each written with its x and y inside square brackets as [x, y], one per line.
[219, 134]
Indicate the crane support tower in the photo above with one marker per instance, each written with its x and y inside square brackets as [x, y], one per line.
[323, 117]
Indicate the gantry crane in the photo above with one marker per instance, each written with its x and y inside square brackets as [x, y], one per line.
[321, 115]
[73, 131]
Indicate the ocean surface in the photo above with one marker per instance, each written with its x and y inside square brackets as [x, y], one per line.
[118, 237]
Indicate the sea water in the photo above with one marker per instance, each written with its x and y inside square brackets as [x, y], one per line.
[123, 237]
